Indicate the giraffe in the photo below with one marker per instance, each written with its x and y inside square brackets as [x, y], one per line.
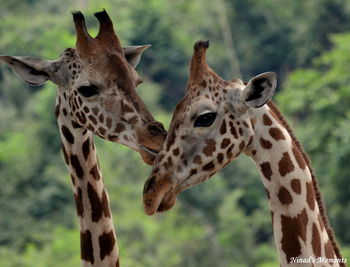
[96, 95]
[213, 124]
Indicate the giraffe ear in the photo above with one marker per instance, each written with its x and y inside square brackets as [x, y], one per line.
[260, 89]
[133, 53]
[33, 70]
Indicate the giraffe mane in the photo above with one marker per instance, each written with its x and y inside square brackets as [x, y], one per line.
[318, 194]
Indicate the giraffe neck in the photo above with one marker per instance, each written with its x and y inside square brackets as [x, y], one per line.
[300, 226]
[98, 244]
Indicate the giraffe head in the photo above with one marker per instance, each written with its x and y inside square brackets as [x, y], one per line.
[210, 127]
[97, 82]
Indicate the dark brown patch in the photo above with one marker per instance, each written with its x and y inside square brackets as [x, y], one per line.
[310, 195]
[86, 109]
[298, 157]
[292, 229]
[119, 128]
[225, 142]
[203, 83]
[109, 122]
[65, 154]
[86, 249]
[240, 130]
[95, 202]
[95, 173]
[209, 149]
[64, 112]
[316, 241]
[78, 197]
[176, 151]
[285, 165]
[125, 108]
[329, 250]
[168, 163]
[93, 119]
[72, 178]
[220, 157]
[101, 118]
[107, 242]
[267, 121]
[197, 159]
[229, 151]
[67, 134]
[95, 110]
[296, 186]
[74, 160]
[105, 204]
[241, 145]
[86, 148]
[284, 196]
[265, 143]
[276, 134]
[223, 127]
[266, 170]
[102, 130]
[57, 111]
[234, 132]
[209, 166]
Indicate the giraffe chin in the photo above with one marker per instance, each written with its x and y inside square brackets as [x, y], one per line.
[147, 157]
[159, 203]
[168, 201]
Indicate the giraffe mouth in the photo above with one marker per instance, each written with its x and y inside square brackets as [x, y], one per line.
[149, 151]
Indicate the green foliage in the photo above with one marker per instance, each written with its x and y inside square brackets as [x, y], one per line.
[223, 222]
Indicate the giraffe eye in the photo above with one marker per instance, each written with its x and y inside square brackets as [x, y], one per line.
[205, 120]
[88, 91]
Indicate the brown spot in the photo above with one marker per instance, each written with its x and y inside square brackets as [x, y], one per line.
[203, 83]
[78, 197]
[107, 242]
[101, 118]
[220, 157]
[64, 112]
[267, 121]
[95, 110]
[72, 179]
[105, 204]
[209, 166]
[295, 184]
[316, 241]
[209, 149]
[310, 195]
[197, 159]
[176, 151]
[57, 111]
[292, 229]
[229, 151]
[109, 122]
[74, 160]
[126, 108]
[266, 170]
[241, 145]
[170, 141]
[67, 134]
[285, 165]
[86, 109]
[284, 196]
[240, 130]
[265, 143]
[253, 121]
[102, 130]
[75, 125]
[276, 134]
[329, 250]
[93, 119]
[245, 124]
[119, 128]
[86, 249]
[234, 132]
[298, 157]
[168, 163]
[65, 154]
[95, 173]
[95, 202]
[225, 142]
[223, 127]
[86, 148]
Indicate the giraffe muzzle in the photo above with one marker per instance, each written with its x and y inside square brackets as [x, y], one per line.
[158, 195]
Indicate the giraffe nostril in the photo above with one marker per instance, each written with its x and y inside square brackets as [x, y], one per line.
[156, 129]
[149, 184]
